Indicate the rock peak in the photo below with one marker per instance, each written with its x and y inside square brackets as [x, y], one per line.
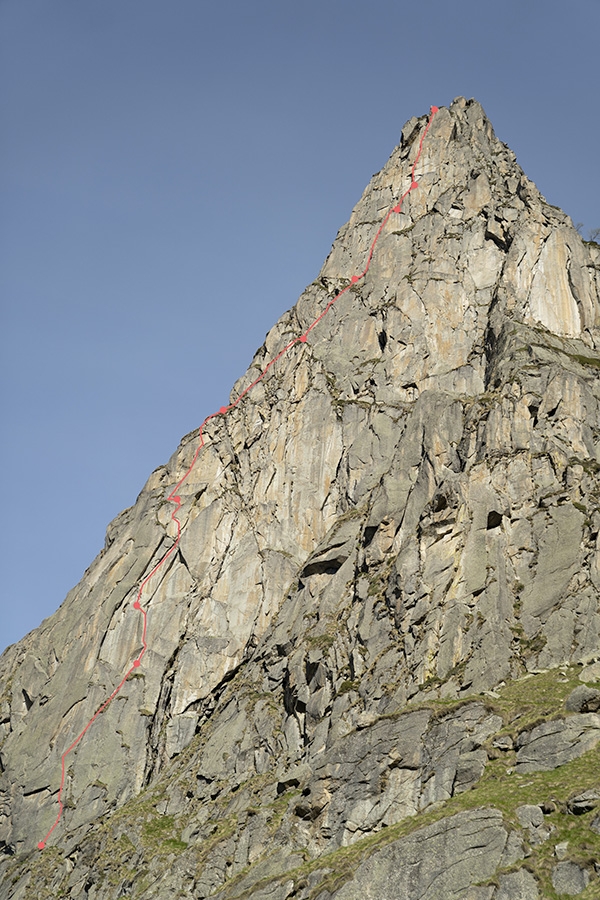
[403, 511]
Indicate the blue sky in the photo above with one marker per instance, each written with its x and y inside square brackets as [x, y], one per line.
[173, 173]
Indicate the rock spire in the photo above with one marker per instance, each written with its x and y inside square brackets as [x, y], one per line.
[388, 582]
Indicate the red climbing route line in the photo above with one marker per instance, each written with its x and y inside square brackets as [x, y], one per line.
[176, 499]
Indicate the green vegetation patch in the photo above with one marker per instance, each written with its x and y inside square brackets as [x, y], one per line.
[535, 698]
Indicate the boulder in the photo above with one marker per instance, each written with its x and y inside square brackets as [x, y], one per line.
[584, 802]
[583, 699]
[530, 816]
[569, 878]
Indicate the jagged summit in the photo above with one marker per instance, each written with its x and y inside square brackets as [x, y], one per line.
[403, 514]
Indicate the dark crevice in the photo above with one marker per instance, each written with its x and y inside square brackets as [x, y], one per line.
[199, 493]
[383, 339]
[439, 503]
[182, 560]
[369, 534]
[290, 697]
[501, 243]
[205, 708]
[283, 786]
[27, 699]
[41, 790]
[494, 520]
[156, 740]
[533, 412]
[323, 567]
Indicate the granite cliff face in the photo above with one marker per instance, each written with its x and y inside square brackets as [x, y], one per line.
[371, 662]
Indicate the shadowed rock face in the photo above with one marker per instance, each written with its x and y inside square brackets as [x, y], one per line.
[404, 511]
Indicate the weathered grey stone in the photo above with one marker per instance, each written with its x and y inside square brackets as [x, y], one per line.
[555, 743]
[583, 802]
[480, 892]
[439, 862]
[391, 769]
[569, 878]
[530, 816]
[541, 834]
[514, 850]
[559, 538]
[180, 731]
[519, 885]
[583, 699]
[591, 672]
